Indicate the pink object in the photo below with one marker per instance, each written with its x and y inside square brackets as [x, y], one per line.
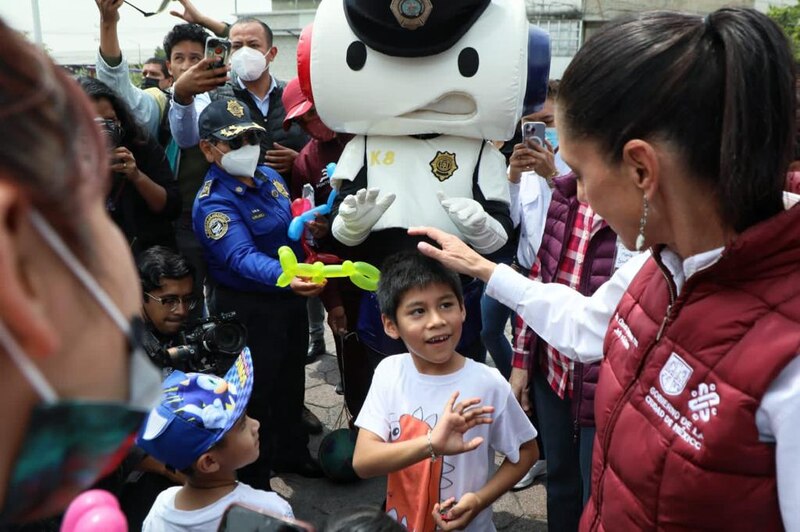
[94, 511]
[299, 206]
[304, 62]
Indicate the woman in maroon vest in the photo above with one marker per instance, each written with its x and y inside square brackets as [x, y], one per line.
[681, 130]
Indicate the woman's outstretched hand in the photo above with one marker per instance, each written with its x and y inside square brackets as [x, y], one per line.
[453, 253]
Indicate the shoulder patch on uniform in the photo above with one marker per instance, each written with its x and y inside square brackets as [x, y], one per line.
[206, 190]
[216, 225]
[280, 188]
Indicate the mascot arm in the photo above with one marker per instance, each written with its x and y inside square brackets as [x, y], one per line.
[358, 213]
[480, 229]
[356, 209]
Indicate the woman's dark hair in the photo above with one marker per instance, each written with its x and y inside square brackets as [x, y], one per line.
[184, 32]
[720, 89]
[160, 262]
[552, 88]
[97, 90]
[362, 519]
[51, 147]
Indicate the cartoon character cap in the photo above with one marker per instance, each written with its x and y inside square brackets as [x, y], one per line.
[225, 119]
[196, 411]
[294, 101]
[412, 28]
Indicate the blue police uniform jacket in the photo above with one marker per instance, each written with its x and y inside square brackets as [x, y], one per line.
[241, 228]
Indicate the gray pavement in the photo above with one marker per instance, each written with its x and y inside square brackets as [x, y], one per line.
[313, 500]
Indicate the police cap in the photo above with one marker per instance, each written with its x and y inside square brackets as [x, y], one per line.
[412, 28]
[225, 119]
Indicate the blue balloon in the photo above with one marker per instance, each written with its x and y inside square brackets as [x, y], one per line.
[299, 222]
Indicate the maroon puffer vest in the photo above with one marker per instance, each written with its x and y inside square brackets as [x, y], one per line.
[677, 445]
[597, 268]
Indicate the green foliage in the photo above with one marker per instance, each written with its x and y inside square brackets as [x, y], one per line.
[161, 54]
[788, 18]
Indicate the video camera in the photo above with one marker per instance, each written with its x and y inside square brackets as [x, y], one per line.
[209, 345]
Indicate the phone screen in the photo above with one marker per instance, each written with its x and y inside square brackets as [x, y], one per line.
[218, 50]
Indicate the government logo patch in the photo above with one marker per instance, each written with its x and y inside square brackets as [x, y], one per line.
[216, 225]
[674, 375]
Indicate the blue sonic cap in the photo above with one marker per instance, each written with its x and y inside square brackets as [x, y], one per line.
[195, 412]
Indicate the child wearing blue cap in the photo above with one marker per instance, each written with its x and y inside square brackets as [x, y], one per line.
[200, 429]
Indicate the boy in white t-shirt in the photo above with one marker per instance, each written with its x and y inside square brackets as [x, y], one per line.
[439, 463]
[200, 428]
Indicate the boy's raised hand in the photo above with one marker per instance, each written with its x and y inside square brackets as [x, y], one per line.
[447, 438]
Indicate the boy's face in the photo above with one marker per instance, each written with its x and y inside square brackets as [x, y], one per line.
[240, 445]
[429, 321]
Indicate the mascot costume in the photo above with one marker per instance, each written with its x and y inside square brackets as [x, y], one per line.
[424, 85]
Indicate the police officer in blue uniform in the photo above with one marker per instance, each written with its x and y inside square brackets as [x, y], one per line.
[241, 216]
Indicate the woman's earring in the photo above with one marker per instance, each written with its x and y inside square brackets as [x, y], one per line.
[642, 224]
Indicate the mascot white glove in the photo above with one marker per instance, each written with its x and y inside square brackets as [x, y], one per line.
[481, 231]
[358, 214]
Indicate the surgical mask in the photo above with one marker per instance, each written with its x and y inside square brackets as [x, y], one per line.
[241, 162]
[551, 136]
[319, 131]
[149, 83]
[248, 64]
[71, 443]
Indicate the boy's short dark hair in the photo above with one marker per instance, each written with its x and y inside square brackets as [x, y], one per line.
[184, 32]
[407, 270]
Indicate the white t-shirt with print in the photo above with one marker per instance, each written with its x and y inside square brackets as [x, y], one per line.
[164, 517]
[398, 390]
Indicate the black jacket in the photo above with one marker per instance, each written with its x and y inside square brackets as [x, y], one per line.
[142, 227]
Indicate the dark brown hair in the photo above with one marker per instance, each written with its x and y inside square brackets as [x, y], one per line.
[719, 88]
[51, 147]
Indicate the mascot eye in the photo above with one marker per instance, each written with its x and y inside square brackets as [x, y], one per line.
[468, 61]
[357, 55]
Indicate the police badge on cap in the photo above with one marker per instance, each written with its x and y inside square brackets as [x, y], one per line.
[412, 28]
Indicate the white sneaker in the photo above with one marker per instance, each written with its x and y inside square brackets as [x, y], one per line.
[539, 469]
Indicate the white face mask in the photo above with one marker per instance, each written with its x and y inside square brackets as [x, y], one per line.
[248, 63]
[241, 162]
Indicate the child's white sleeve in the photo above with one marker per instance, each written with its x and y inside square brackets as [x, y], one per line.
[510, 428]
[374, 412]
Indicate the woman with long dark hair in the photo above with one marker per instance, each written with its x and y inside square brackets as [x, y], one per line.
[144, 197]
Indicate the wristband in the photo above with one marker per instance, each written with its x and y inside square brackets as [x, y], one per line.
[430, 447]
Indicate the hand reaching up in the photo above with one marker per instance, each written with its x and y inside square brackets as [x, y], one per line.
[447, 438]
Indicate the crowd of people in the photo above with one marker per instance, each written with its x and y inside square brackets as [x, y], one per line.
[652, 280]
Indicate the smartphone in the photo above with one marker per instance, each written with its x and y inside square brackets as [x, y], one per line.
[533, 132]
[218, 50]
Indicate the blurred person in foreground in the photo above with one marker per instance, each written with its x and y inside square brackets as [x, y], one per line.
[70, 361]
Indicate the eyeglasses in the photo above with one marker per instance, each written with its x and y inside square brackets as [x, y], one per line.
[172, 302]
[253, 138]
